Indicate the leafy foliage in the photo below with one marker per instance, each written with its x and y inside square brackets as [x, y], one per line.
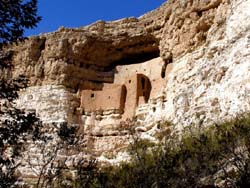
[218, 156]
[67, 134]
[15, 16]
[52, 165]
[16, 126]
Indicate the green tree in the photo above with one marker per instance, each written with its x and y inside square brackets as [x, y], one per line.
[16, 126]
[15, 17]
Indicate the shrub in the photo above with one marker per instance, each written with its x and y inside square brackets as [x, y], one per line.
[201, 157]
[217, 156]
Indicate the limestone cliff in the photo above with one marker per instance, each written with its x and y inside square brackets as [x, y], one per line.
[185, 62]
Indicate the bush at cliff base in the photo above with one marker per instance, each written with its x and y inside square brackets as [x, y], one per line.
[217, 156]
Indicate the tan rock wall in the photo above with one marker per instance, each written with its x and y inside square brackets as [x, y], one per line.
[52, 103]
[210, 84]
[202, 46]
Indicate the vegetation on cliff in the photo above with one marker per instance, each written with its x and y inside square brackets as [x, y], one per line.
[217, 156]
[16, 126]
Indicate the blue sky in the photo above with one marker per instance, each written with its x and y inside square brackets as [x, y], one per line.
[76, 13]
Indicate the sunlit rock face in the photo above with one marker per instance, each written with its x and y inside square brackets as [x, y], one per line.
[186, 62]
[211, 83]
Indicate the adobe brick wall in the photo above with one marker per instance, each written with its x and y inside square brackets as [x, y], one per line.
[111, 97]
[133, 85]
[151, 69]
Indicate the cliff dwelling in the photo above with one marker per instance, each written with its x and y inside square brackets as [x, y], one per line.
[134, 85]
[94, 78]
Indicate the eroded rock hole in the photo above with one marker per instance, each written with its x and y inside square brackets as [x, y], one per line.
[164, 66]
[138, 56]
[42, 46]
[163, 71]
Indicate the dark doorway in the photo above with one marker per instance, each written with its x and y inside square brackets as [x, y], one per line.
[143, 89]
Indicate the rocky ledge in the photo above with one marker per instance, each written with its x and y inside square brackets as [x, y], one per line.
[185, 62]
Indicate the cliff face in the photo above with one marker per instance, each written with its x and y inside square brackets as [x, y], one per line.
[185, 62]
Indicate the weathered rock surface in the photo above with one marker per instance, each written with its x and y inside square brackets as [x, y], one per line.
[185, 62]
[211, 83]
